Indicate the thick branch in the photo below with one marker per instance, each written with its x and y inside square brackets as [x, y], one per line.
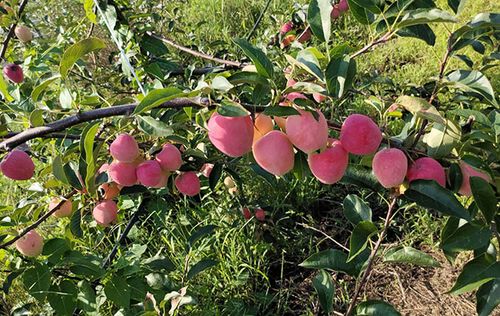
[197, 54]
[361, 284]
[9, 35]
[92, 115]
[39, 221]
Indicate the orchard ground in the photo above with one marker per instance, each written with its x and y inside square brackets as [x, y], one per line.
[258, 260]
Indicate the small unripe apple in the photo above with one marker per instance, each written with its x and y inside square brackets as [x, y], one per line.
[390, 166]
[23, 33]
[31, 244]
[263, 124]
[260, 214]
[335, 12]
[206, 169]
[17, 165]
[467, 172]
[123, 173]
[305, 132]
[330, 165]
[229, 182]
[428, 169]
[274, 153]
[149, 173]
[124, 148]
[246, 213]
[105, 212]
[169, 158]
[110, 190]
[188, 183]
[359, 135]
[65, 209]
[290, 82]
[289, 39]
[286, 27]
[14, 73]
[231, 135]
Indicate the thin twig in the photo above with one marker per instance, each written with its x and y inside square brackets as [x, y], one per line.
[259, 19]
[39, 221]
[361, 284]
[92, 115]
[12, 28]
[197, 54]
[324, 234]
[387, 36]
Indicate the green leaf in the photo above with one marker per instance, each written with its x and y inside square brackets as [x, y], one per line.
[455, 177]
[488, 297]
[58, 170]
[231, 109]
[55, 247]
[280, 111]
[156, 47]
[325, 288]
[215, 175]
[410, 255]
[65, 98]
[200, 233]
[474, 83]
[262, 63]
[485, 198]
[340, 74]
[442, 138]
[77, 51]
[118, 291]
[4, 89]
[319, 19]
[359, 238]
[88, 138]
[475, 273]
[156, 98]
[424, 16]
[251, 78]
[476, 115]
[467, 237]
[422, 31]
[270, 178]
[374, 6]
[38, 90]
[159, 264]
[421, 108]
[308, 60]
[362, 177]
[335, 260]
[86, 298]
[75, 224]
[62, 297]
[37, 281]
[457, 5]
[362, 15]
[430, 194]
[222, 84]
[376, 308]
[154, 127]
[200, 266]
[356, 210]
[88, 5]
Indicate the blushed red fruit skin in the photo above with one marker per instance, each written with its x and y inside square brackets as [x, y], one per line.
[123, 173]
[281, 120]
[263, 124]
[467, 172]
[103, 168]
[188, 183]
[260, 214]
[124, 148]
[149, 173]
[290, 82]
[330, 165]
[305, 132]
[287, 40]
[163, 180]
[335, 12]
[231, 135]
[105, 212]
[110, 190]
[274, 153]
[343, 6]
[169, 158]
[14, 73]
[246, 213]
[360, 135]
[305, 36]
[390, 166]
[427, 168]
[318, 97]
[286, 27]
[206, 169]
[31, 244]
[65, 209]
[17, 165]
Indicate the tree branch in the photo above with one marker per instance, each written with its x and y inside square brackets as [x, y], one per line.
[197, 54]
[39, 221]
[61, 125]
[9, 35]
[259, 19]
[387, 36]
[361, 284]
